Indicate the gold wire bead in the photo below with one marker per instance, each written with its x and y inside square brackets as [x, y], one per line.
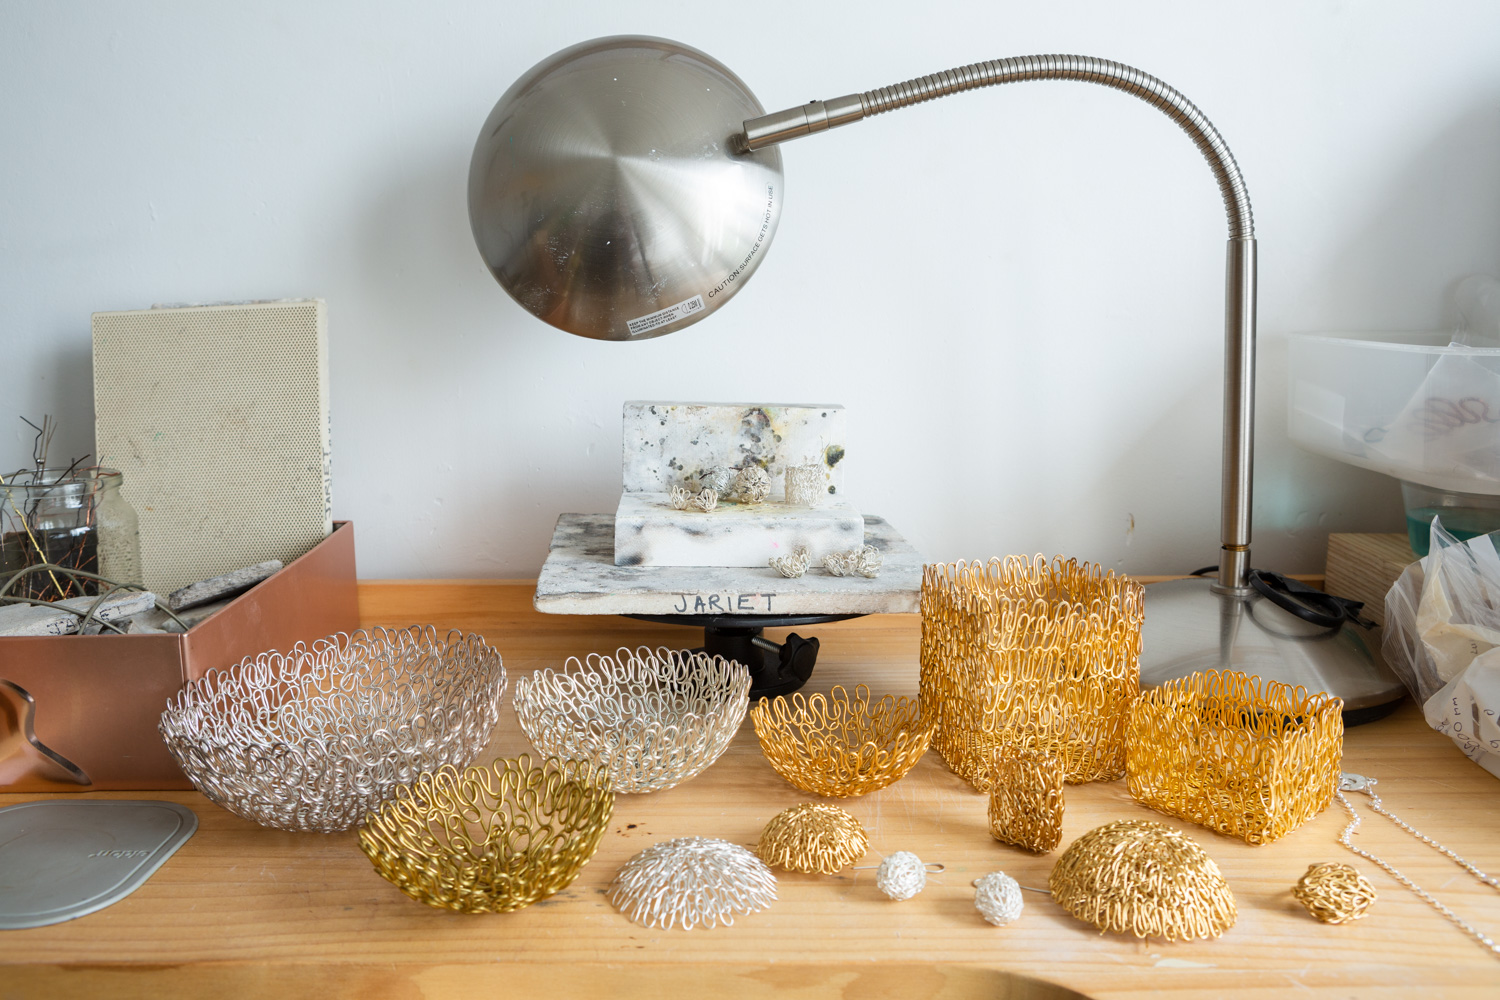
[1026, 801]
[840, 746]
[490, 839]
[1144, 878]
[812, 838]
[1022, 654]
[1250, 758]
[1334, 893]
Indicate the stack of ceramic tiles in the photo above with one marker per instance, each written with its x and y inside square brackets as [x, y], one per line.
[671, 445]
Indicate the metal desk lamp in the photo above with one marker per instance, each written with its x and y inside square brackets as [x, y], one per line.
[628, 187]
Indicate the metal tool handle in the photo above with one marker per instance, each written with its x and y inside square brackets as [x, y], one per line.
[1240, 264]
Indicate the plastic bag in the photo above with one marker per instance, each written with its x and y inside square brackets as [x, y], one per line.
[1442, 638]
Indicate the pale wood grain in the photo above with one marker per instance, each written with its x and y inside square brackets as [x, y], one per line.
[244, 911]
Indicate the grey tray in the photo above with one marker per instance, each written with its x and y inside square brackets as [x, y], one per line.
[61, 859]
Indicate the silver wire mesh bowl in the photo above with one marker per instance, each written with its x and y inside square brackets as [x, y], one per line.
[652, 718]
[315, 738]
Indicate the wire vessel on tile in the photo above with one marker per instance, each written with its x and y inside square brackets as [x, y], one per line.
[490, 839]
[1022, 654]
[314, 738]
[1250, 758]
[838, 745]
[692, 882]
[1141, 877]
[812, 839]
[652, 718]
[1026, 801]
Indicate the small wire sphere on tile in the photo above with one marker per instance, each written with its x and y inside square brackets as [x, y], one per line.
[490, 839]
[1335, 893]
[841, 745]
[652, 718]
[1026, 800]
[814, 839]
[692, 882]
[314, 738]
[1140, 877]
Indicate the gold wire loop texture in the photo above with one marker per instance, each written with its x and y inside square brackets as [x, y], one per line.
[692, 882]
[812, 839]
[1144, 878]
[1026, 801]
[1250, 758]
[1334, 893]
[315, 738]
[490, 839]
[838, 745]
[1023, 654]
[653, 718]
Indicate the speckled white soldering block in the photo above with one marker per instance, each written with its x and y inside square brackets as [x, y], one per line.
[672, 444]
[649, 532]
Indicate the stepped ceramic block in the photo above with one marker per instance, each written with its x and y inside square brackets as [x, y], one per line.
[649, 532]
[672, 444]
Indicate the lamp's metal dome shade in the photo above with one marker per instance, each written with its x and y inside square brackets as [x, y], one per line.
[606, 196]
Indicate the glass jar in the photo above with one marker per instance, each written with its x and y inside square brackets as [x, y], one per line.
[119, 530]
[49, 517]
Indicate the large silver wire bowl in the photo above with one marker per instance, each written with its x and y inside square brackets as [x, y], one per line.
[652, 718]
[315, 738]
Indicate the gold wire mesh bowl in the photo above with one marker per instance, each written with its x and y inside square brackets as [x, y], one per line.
[653, 719]
[1141, 877]
[490, 839]
[812, 839]
[315, 738]
[840, 746]
[1248, 758]
[1022, 654]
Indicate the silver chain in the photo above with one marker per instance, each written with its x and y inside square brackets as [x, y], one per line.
[1359, 783]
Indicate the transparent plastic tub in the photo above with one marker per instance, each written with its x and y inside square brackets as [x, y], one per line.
[1409, 405]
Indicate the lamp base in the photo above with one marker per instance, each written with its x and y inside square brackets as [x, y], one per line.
[1190, 627]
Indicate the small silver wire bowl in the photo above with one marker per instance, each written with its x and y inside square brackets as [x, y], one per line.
[315, 738]
[692, 882]
[652, 718]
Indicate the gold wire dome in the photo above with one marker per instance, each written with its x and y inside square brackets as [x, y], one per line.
[1144, 878]
[812, 839]
[652, 718]
[314, 738]
[490, 839]
[1334, 893]
[1022, 654]
[838, 745]
[1250, 758]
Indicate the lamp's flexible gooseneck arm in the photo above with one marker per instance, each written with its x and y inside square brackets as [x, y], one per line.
[1239, 287]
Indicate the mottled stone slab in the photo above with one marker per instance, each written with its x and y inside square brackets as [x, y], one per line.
[580, 578]
[648, 532]
[33, 619]
[158, 620]
[115, 607]
[218, 587]
[671, 444]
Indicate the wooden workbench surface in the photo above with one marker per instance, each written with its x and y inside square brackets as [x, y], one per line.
[244, 911]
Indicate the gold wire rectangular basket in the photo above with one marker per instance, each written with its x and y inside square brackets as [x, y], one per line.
[1251, 758]
[1027, 655]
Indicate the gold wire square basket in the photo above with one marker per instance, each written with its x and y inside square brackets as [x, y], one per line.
[838, 745]
[314, 738]
[490, 839]
[1250, 758]
[1026, 655]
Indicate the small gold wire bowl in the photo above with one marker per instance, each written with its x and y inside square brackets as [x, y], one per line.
[315, 738]
[1249, 758]
[813, 839]
[653, 719]
[490, 839]
[840, 746]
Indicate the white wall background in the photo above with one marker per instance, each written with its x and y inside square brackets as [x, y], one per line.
[1016, 292]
